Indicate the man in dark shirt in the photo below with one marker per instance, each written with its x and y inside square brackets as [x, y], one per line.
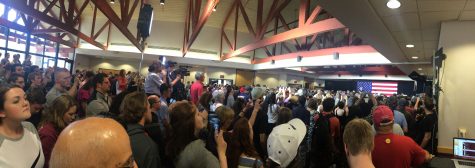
[259, 127]
[301, 112]
[426, 127]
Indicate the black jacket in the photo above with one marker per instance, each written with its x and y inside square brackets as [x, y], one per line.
[144, 149]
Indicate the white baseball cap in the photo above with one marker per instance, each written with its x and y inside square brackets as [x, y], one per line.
[284, 141]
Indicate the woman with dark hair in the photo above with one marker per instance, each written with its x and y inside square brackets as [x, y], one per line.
[83, 97]
[229, 97]
[57, 118]
[285, 115]
[238, 107]
[184, 147]
[272, 112]
[20, 145]
[242, 152]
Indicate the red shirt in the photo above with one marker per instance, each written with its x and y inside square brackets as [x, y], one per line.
[334, 125]
[396, 151]
[48, 136]
[195, 92]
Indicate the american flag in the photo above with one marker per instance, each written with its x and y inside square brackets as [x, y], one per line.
[386, 88]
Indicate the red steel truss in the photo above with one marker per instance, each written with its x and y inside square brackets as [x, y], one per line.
[64, 20]
[194, 22]
[303, 37]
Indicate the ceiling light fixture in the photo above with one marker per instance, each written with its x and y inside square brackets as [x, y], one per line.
[410, 46]
[415, 57]
[162, 2]
[112, 1]
[420, 69]
[393, 4]
[214, 9]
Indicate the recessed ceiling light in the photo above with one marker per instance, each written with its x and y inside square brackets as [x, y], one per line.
[410, 46]
[112, 1]
[420, 69]
[415, 57]
[393, 4]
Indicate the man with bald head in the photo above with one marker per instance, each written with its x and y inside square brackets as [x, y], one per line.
[93, 142]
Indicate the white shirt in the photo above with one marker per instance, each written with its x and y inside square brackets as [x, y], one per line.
[272, 113]
[22, 152]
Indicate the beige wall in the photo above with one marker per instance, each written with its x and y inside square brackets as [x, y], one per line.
[94, 63]
[293, 79]
[457, 81]
[270, 80]
[215, 72]
[82, 62]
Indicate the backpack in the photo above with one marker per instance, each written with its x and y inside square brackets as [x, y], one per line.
[322, 150]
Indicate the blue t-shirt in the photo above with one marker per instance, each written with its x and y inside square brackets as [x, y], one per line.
[250, 162]
[400, 119]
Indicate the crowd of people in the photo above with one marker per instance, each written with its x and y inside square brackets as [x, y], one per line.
[52, 118]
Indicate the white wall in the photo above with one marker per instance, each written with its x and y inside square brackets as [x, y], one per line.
[456, 101]
[82, 62]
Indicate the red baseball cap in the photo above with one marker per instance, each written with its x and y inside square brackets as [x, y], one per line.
[383, 115]
[242, 90]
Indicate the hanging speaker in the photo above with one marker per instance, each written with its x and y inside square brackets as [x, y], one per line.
[145, 19]
[299, 58]
[272, 62]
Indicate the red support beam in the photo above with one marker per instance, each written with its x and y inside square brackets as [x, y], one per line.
[21, 28]
[260, 8]
[236, 25]
[199, 25]
[46, 31]
[131, 12]
[302, 18]
[47, 9]
[105, 8]
[72, 6]
[286, 26]
[93, 21]
[314, 15]
[101, 30]
[320, 52]
[78, 16]
[274, 12]
[19, 6]
[196, 11]
[319, 27]
[246, 19]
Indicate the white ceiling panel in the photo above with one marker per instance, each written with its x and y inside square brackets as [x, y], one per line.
[407, 21]
[407, 6]
[430, 34]
[408, 36]
[441, 5]
[470, 5]
[432, 20]
[468, 15]
[430, 44]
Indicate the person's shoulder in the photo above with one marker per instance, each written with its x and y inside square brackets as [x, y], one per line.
[29, 126]
[196, 146]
